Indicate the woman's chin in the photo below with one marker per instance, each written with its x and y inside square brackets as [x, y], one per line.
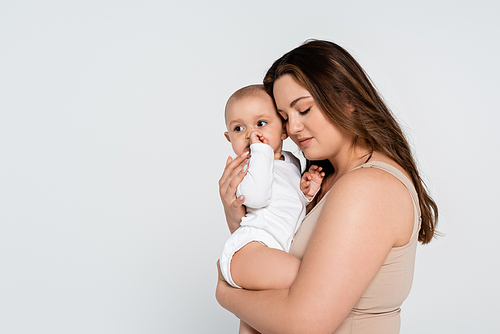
[314, 157]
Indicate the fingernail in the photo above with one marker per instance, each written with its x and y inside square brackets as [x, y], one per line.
[244, 168]
[245, 153]
[240, 198]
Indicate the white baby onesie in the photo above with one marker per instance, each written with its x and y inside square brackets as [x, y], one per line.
[275, 204]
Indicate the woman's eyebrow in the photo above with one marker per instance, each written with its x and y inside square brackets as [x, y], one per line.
[298, 99]
[294, 102]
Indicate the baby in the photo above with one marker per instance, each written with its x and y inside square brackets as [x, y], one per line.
[255, 257]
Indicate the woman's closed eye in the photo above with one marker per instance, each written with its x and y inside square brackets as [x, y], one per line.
[305, 111]
[261, 123]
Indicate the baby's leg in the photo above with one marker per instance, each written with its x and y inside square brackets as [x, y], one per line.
[257, 267]
[246, 329]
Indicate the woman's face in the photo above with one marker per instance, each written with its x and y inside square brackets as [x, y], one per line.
[306, 124]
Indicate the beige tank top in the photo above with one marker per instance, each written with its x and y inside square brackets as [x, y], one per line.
[377, 311]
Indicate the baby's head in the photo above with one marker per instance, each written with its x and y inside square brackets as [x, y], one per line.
[250, 109]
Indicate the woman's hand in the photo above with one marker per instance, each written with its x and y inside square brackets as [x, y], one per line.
[234, 172]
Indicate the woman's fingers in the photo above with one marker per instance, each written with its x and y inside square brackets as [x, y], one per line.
[238, 202]
[237, 175]
[231, 165]
[232, 183]
[227, 169]
[232, 176]
[230, 179]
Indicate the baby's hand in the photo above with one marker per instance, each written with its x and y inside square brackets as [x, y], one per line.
[311, 181]
[257, 137]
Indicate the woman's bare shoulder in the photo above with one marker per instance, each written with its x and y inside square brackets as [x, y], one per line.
[377, 198]
[370, 179]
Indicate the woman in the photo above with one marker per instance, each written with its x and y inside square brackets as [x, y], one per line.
[357, 244]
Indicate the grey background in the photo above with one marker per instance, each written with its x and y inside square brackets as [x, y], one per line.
[111, 146]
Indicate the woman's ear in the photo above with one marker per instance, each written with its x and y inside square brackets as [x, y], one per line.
[226, 134]
[351, 107]
[346, 101]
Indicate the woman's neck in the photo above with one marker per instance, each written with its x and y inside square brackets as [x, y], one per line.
[352, 158]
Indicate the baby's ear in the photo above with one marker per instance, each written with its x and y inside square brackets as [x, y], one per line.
[284, 134]
[226, 134]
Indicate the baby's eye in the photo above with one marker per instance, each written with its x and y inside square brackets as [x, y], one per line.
[261, 123]
[238, 128]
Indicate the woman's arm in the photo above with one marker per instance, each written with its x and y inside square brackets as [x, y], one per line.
[231, 177]
[367, 213]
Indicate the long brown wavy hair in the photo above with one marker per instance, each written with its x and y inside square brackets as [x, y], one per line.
[334, 79]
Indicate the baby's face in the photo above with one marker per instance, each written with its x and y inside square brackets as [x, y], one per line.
[253, 113]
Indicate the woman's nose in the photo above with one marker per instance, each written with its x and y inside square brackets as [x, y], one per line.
[294, 126]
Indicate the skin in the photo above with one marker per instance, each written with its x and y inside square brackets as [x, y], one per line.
[366, 213]
[253, 119]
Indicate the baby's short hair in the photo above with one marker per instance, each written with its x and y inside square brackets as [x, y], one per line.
[247, 90]
[243, 92]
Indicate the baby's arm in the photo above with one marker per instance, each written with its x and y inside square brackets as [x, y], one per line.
[257, 184]
[311, 181]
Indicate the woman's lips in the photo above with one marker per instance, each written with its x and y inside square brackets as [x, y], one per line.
[305, 141]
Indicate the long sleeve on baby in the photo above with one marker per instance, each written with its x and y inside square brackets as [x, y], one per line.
[257, 184]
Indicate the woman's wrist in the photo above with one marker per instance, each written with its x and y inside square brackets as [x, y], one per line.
[234, 216]
[232, 223]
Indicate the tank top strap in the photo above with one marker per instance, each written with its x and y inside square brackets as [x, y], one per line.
[404, 180]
